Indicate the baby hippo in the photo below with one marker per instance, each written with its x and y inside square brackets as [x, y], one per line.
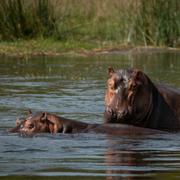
[44, 122]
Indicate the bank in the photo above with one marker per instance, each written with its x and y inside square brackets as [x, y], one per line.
[49, 47]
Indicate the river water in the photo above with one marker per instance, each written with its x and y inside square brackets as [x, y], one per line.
[74, 87]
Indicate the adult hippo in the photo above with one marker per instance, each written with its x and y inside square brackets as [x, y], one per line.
[132, 98]
[44, 122]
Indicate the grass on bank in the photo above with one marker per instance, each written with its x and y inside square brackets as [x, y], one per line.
[88, 24]
[53, 47]
[50, 27]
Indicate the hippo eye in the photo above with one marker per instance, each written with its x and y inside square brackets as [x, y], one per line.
[132, 86]
[131, 97]
[111, 85]
[121, 82]
[31, 126]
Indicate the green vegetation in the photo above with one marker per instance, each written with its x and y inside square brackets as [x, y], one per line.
[64, 25]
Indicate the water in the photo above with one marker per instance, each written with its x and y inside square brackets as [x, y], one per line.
[74, 87]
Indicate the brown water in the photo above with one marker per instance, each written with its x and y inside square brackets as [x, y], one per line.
[74, 88]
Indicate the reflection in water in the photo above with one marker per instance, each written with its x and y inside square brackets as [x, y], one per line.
[125, 163]
[143, 157]
[74, 88]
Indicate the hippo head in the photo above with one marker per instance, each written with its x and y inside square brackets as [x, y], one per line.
[32, 124]
[127, 97]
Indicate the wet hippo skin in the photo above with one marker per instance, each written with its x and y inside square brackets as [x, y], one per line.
[44, 122]
[132, 98]
[48, 123]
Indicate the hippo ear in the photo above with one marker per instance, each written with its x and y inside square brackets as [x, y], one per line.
[110, 71]
[18, 122]
[139, 77]
[44, 116]
[30, 112]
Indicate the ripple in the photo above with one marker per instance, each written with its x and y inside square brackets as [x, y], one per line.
[75, 88]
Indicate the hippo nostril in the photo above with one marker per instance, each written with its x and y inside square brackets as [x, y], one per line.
[114, 115]
[109, 110]
[109, 114]
[122, 114]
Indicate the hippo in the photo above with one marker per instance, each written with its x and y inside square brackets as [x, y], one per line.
[44, 122]
[133, 103]
[132, 98]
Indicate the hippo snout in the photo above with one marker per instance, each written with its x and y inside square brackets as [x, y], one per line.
[109, 114]
[122, 114]
[113, 115]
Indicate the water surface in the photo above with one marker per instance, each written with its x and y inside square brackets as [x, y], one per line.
[74, 87]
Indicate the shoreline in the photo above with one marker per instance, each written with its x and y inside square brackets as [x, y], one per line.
[33, 48]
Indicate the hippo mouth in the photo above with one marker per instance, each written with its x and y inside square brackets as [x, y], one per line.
[21, 131]
[18, 127]
[115, 116]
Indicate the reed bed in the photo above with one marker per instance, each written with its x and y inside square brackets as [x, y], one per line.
[134, 22]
